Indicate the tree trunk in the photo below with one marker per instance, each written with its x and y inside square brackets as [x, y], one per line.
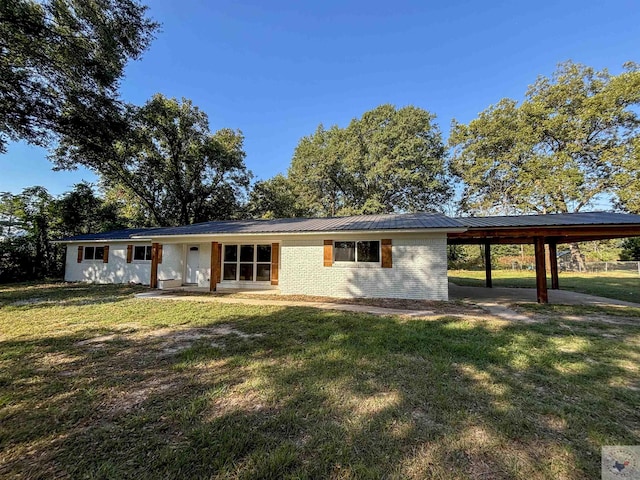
[577, 258]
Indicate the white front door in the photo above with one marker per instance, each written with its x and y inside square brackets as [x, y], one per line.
[193, 264]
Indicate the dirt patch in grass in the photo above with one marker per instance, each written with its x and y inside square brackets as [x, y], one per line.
[444, 308]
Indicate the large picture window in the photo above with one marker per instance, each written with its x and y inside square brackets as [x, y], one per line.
[247, 263]
[357, 251]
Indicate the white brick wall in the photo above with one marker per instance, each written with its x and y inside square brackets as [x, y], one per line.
[172, 266]
[117, 270]
[419, 270]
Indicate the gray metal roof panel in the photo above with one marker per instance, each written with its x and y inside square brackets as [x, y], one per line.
[551, 220]
[410, 221]
[125, 234]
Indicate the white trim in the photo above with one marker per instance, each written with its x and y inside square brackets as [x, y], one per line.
[117, 240]
[294, 233]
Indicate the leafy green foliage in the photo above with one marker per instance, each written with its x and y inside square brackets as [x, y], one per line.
[167, 158]
[390, 160]
[30, 221]
[61, 64]
[630, 249]
[573, 138]
[274, 198]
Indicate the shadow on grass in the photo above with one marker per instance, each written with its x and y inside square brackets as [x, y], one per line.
[300, 393]
[63, 293]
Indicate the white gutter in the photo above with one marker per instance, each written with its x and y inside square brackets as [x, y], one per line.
[104, 240]
[291, 234]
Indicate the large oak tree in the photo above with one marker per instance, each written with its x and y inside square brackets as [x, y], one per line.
[61, 62]
[389, 160]
[572, 140]
[167, 158]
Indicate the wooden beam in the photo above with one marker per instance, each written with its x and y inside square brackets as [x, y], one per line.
[153, 281]
[592, 232]
[529, 240]
[487, 264]
[553, 265]
[541, 271]
[215, 266]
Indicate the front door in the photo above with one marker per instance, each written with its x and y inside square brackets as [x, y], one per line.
[193, 264]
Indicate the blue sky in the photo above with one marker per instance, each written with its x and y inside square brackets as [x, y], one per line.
[275, 70]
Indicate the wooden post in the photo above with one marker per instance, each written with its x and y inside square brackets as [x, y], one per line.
[553, 265]
[215, 265]
[153, 281]
[487, 264]
[541, 271]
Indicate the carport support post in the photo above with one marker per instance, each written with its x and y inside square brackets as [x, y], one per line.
[487, 264]
[541, 271]
[553, 265]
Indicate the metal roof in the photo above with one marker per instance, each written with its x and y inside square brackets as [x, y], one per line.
[409, 221]
[125, 234]
[551, 220]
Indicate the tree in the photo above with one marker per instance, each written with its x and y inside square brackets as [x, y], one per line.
[170, 161]
[61, 64]
[81, 211]
[274, 198]
[573, 140]
[390, 160]
[630, 249]
[31, 220]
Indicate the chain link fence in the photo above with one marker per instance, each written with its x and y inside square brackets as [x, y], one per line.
[600, 267]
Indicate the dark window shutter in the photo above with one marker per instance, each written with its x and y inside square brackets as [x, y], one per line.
[106, 254]
[129, 253]
[328, 253]
[159, 253]
[387, 261]
[80, 253]
[275, 263]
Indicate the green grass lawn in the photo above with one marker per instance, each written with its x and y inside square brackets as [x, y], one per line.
[620, 285]
[96, 384]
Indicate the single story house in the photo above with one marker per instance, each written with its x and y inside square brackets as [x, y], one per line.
[383, 256]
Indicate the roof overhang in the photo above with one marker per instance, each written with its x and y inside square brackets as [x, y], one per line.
[306, 234]
[555, 234]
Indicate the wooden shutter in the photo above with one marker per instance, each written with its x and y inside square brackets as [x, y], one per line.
[219, 269]
[214, 273]
[275, 263]
[105, 259]
[129, 253]
[386, 253]
[159, 253]
[80, 253]
[328, 253]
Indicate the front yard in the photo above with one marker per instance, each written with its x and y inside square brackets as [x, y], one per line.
[96, 384]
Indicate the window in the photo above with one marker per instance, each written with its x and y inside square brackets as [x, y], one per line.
[230, 262]
[247, 263]
[362, 251]
[142, 252]
[94, 253]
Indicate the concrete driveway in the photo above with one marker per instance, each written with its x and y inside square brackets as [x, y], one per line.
[501, 295]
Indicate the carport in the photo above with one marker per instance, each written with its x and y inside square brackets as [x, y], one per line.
[541, 230]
